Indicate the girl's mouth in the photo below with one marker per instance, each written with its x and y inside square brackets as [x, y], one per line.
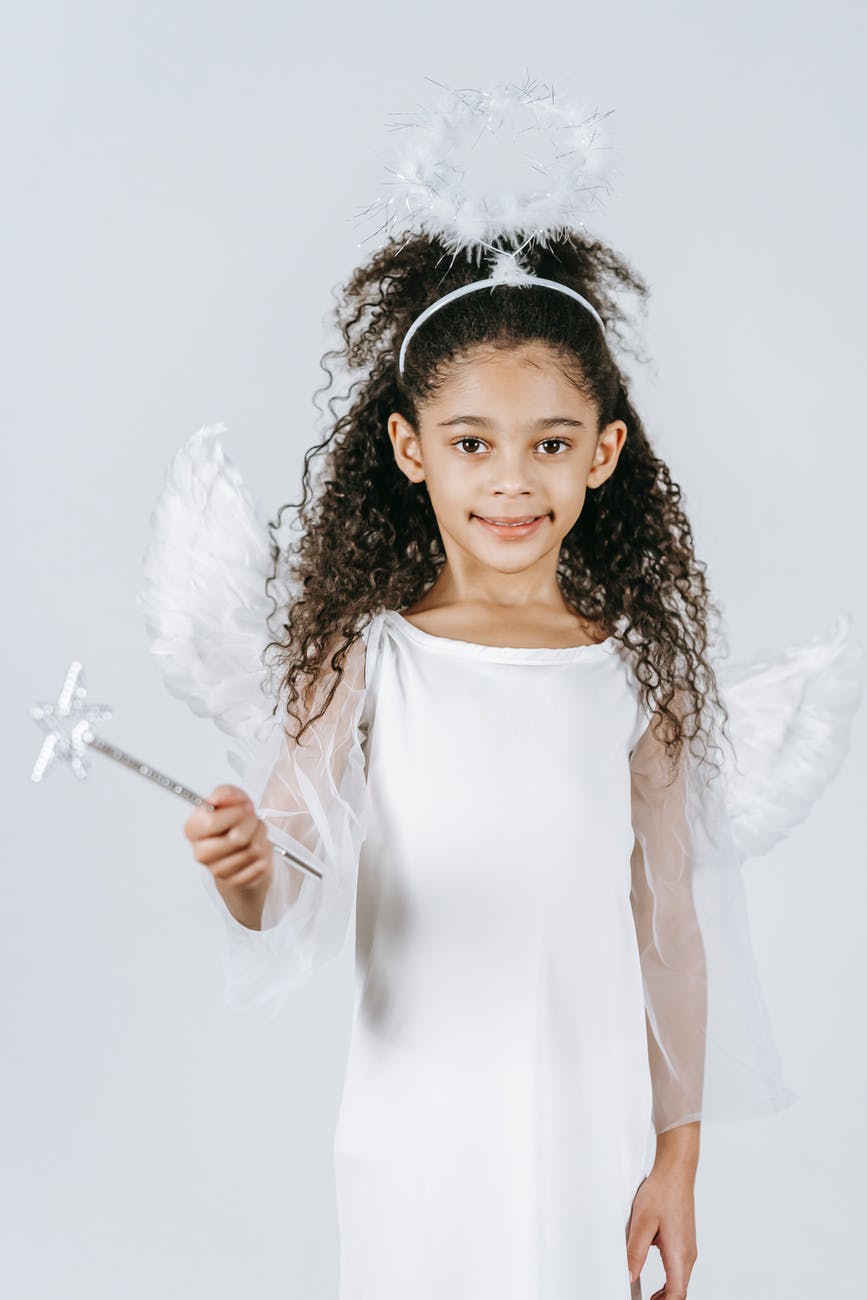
[501, 527]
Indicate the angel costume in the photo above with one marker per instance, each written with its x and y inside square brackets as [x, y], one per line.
[552, 952]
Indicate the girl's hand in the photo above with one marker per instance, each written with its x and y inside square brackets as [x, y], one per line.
[232, 842]
[663, 1214]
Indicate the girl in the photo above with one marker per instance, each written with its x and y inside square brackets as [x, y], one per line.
[497, 738]
[500, 753]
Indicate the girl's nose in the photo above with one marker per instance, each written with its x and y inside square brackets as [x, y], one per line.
[512, 477]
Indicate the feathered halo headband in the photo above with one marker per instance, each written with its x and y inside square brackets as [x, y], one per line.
[509, 163]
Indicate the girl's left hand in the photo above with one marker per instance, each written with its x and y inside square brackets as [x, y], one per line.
[663, 1215]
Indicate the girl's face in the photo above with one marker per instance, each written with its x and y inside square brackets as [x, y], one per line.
[508, 436]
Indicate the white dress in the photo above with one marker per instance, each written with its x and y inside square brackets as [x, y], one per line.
[497, 1100]
[530, 980]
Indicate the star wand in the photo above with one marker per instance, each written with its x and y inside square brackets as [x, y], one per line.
[69, 725]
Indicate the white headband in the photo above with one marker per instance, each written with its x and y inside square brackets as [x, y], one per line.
[524, 278]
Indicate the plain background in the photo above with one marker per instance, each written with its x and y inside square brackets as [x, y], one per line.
[178, 187]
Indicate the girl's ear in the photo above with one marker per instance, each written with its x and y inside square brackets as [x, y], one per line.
[609, 445]
[406, 446]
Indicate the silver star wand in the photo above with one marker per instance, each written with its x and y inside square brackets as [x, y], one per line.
[69, 723]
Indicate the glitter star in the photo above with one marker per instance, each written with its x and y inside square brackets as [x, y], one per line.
[68, 723]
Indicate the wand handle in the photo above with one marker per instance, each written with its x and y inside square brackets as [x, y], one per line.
[144, 769]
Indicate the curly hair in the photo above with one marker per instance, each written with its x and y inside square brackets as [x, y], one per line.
[627, 564]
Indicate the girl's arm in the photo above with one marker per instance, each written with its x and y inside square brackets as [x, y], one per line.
[674, 972]
[312, 801]
[669, 935]
[679, 1147]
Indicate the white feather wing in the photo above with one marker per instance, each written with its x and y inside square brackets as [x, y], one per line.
[203, 596]
[790, 716]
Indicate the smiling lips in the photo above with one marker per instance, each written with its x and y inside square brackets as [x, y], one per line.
[512, 527]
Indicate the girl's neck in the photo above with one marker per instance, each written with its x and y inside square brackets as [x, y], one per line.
[531, 626]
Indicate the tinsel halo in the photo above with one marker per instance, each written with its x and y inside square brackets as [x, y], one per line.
[514, 163]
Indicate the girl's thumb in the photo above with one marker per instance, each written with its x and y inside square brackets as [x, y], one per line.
[228, 794]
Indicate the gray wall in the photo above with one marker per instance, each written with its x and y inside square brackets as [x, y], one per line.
[177, 183]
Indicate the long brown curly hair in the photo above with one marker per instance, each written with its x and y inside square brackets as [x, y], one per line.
[369, 538]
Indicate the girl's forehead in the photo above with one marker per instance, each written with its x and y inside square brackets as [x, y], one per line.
[526, 372]
[528, 353]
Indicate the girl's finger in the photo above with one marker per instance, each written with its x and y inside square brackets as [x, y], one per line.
[203, 823]
[257, 852]
[638, 1243]
[230, 870]
[227, 794]
[235, 838]
[677, 1273]
[250, 875]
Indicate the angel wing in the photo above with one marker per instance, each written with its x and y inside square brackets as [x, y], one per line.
[204, 597]
[790, 714]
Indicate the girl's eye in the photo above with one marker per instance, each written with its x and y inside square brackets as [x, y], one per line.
[467, 439]
[546, 441]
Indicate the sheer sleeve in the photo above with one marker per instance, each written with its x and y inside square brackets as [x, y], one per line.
[711, 1050]
[670, 944]
[311, 793]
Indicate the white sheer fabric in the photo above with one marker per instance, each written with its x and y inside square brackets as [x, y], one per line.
[670, 943]
[312, 795]
[710, 1045]
[711, 1050]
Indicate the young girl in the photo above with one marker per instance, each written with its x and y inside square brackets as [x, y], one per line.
[498, 739]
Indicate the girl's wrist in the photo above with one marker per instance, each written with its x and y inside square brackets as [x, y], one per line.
[246, 904]
[677, 1149]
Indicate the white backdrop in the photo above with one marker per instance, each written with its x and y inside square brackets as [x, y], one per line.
[177, 187]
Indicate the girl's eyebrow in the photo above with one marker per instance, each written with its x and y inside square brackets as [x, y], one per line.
[547, 422]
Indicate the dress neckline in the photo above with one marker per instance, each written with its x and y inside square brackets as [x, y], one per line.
[511, 654]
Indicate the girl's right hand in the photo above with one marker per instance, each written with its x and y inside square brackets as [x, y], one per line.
[232, 842]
